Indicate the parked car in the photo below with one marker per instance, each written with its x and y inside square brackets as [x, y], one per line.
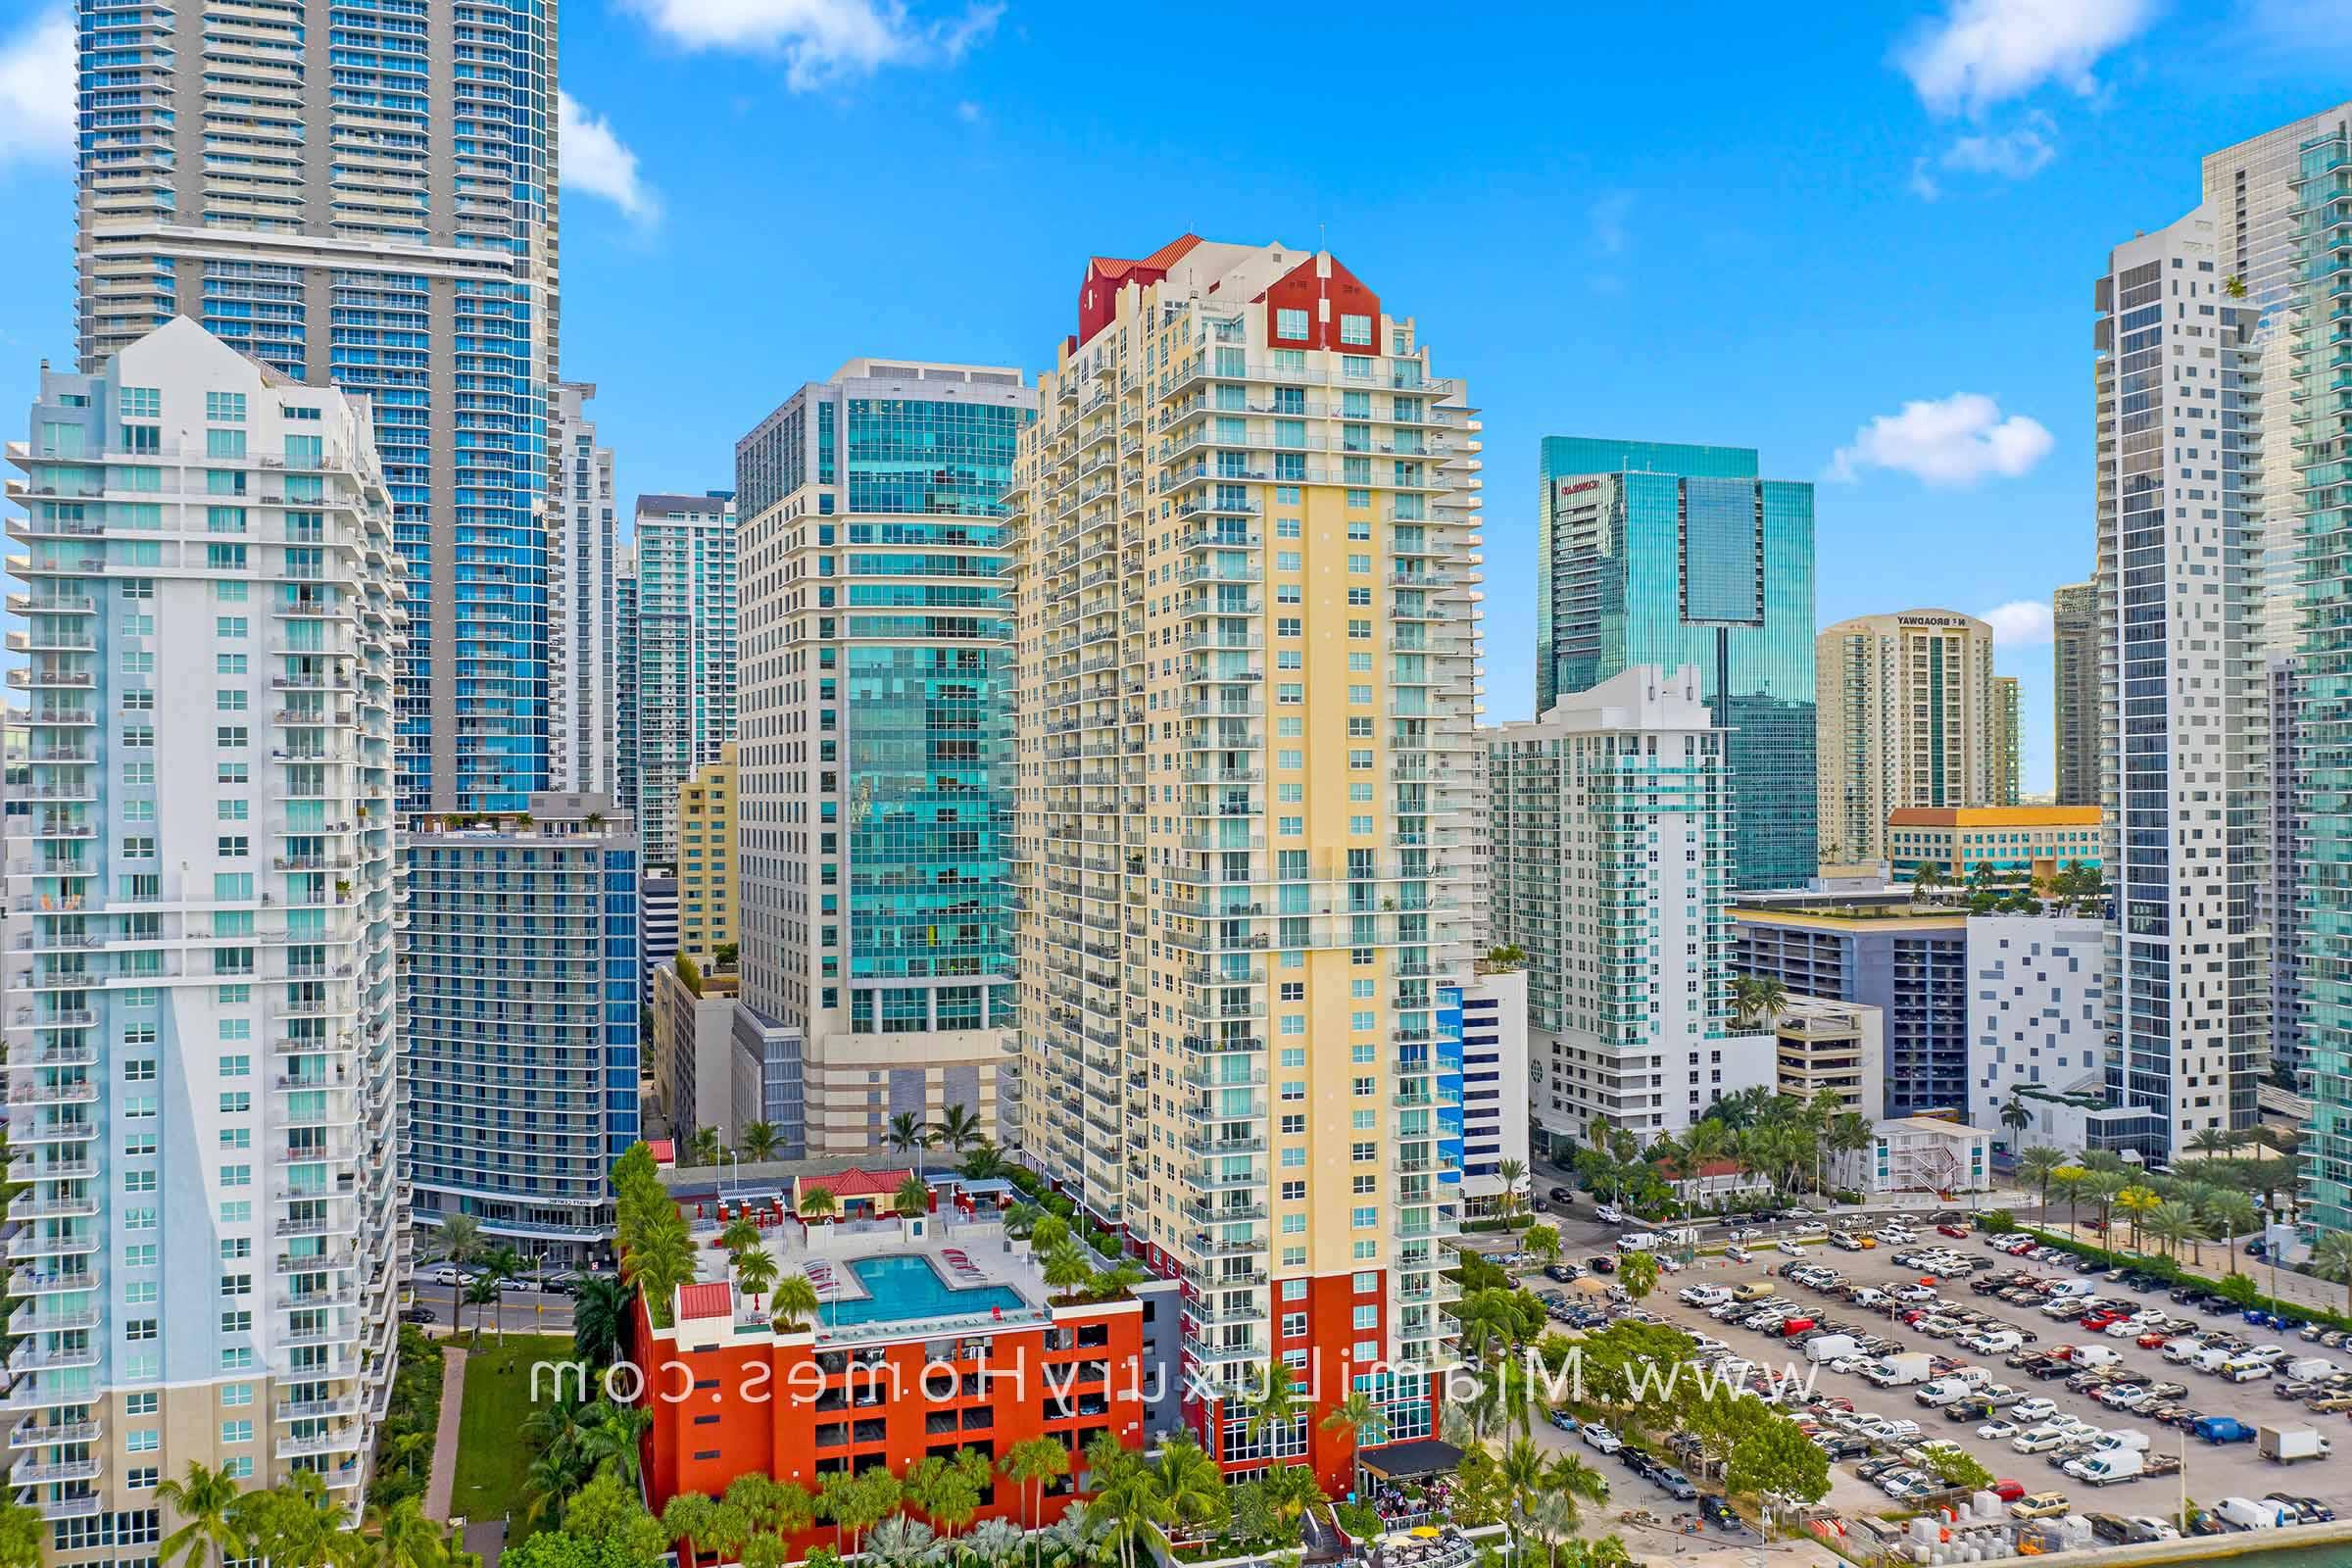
[2039, 1505]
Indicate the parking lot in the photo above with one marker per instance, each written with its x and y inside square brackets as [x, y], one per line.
[2209, 1473]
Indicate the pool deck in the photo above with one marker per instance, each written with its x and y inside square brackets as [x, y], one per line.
[819, 1251]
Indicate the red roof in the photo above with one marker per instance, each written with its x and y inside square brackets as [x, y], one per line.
[715, 1300]
[1158, 262]
[1713, 1168]
[856, 1183]
[665, 1152]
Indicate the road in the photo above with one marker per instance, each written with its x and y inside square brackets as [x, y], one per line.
[522, 1312]
[2209, 1473]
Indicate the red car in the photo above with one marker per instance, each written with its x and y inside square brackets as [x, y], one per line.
[1958, 1232]
[2097, 1322]
[2154, 1341]
[2008, 1491]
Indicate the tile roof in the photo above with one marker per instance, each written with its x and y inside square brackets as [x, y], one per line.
[665, 1152]
[1159, 261]
[858, 1183]
[716, 1299]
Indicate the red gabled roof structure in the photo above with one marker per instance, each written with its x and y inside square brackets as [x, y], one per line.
[1105, 275]
[714, 1300]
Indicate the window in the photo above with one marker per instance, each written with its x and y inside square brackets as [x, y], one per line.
[140, 403]
[1291, 325]
[1355, 330]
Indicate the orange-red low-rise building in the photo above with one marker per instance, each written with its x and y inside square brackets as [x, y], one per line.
[934, 1333]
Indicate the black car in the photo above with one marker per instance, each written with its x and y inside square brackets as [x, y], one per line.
[1559, 1271]
[2182, 1295]
[417, 1315]
[1871, 1470]
[1602, 1263]
[1718, 1513]
[2315, 1512]
[1845, 1445]
[2108, 1529]
[1562, 1195]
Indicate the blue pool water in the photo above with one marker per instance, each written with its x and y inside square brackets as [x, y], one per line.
[903, 1287]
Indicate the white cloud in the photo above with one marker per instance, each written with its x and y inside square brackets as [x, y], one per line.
[1983, 52]
[822, 40]
[594, 159]
[969, 113]
[2018, 624]
[2018, 154]
[36, 91]
[1955, 441]
[1609, 236]
[1923, 183]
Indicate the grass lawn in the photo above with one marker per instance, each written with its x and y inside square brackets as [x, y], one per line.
[492, 1458]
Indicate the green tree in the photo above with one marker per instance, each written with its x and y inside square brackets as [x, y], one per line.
[23, 1535]
[2331, 1259]
[913, 1197]
[1638, 1272]
[956, 1130]
[2036, 1165]
[1778, 1458]
[1190, 1485]
[1029, 1465]
[909, 1136]
[460, 1245]
[203, 1499]
[693, 1517]
[1276, 1403]
[2014, 1115]
[1511, 1200]
[1066, 1268]
[1544, 1241]
[1956, 1468]
[759, 1141]
[1361, 1417]
[796, 1304]
[755, 1273]
[600, 1315]
[818, 1203]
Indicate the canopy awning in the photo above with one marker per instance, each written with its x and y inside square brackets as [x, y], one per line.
[1410, 1462]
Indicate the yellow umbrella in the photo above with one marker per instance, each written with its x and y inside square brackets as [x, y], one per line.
[1424, 1531]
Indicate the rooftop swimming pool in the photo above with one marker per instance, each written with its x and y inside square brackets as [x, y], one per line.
[905, 1288]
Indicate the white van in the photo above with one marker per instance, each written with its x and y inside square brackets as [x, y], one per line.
[1998, 1343]
[1637, 1242]
[2247, 1514]
[2245, 1369]
[2121, 1437]
[2212, 1359]
[2095, 1358]
[1868, 1296]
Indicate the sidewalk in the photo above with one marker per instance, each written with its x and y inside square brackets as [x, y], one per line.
[442, 1481]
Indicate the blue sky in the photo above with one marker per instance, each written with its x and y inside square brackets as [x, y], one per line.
[1775, 226]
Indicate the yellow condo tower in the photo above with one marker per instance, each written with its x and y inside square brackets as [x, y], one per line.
[1245, 553]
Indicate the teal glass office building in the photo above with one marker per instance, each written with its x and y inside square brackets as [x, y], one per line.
[1652, 553]
[872, 507]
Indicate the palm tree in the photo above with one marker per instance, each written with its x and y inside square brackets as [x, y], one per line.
[818, 1203]
[611, 1444]
[755, 1273]
[1575, 1482]
[2106, 1188]
[502, 1265]
[900, 1541]
[704, 1146]
[2036, 1165]
[2330, 1259]
[1276, 1403]
[796, 1303]
[2173, 1223]
[461, 1243]
[986, 1162]
[484, 1292]
[740, 1236]
[2136, 1201]
[913, 1197]
[2072, 1182]
[2233, 1214]
[203, 1499]
[759, 1139]
[1638, 1272]
[956, 1130]
[1925, 880]
[404, 1537]
[1524, 1467]
[1021, 1218]
[692, 1517]
[1510, 1200]
[909, 1136]
[1029, 1464]
[1191, 1486]
[1066, 1268]
[600, 1315]
[2213, 1140]
[2014, 1114]
[1367, 1426]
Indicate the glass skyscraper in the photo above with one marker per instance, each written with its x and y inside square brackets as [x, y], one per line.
[873, 757]
[1651, 553]
[323, 191]
[679, 695]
